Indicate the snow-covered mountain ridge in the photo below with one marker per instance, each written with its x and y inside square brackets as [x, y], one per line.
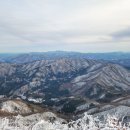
[67, 84]
[67, 87]
[39, 122]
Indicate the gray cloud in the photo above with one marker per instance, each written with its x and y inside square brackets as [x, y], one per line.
[125, 33]
[44, 25]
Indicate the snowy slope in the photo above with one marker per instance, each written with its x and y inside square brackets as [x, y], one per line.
[87, 122]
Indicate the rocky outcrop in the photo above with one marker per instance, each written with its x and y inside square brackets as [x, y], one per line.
[18, 107]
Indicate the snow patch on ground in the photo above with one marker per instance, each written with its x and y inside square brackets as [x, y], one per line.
[87, 122]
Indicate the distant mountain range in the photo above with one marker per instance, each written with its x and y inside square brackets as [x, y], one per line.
[115, 57]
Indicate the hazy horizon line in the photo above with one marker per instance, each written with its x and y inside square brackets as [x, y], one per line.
[63, 51]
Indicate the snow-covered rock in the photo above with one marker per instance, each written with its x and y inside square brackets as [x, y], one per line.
[18, 106]
[119, 112]
[87, 122]
[15, 107]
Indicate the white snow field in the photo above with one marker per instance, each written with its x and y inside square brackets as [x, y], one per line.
[87, 122]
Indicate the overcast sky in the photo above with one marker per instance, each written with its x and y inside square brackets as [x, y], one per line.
[69, 25]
